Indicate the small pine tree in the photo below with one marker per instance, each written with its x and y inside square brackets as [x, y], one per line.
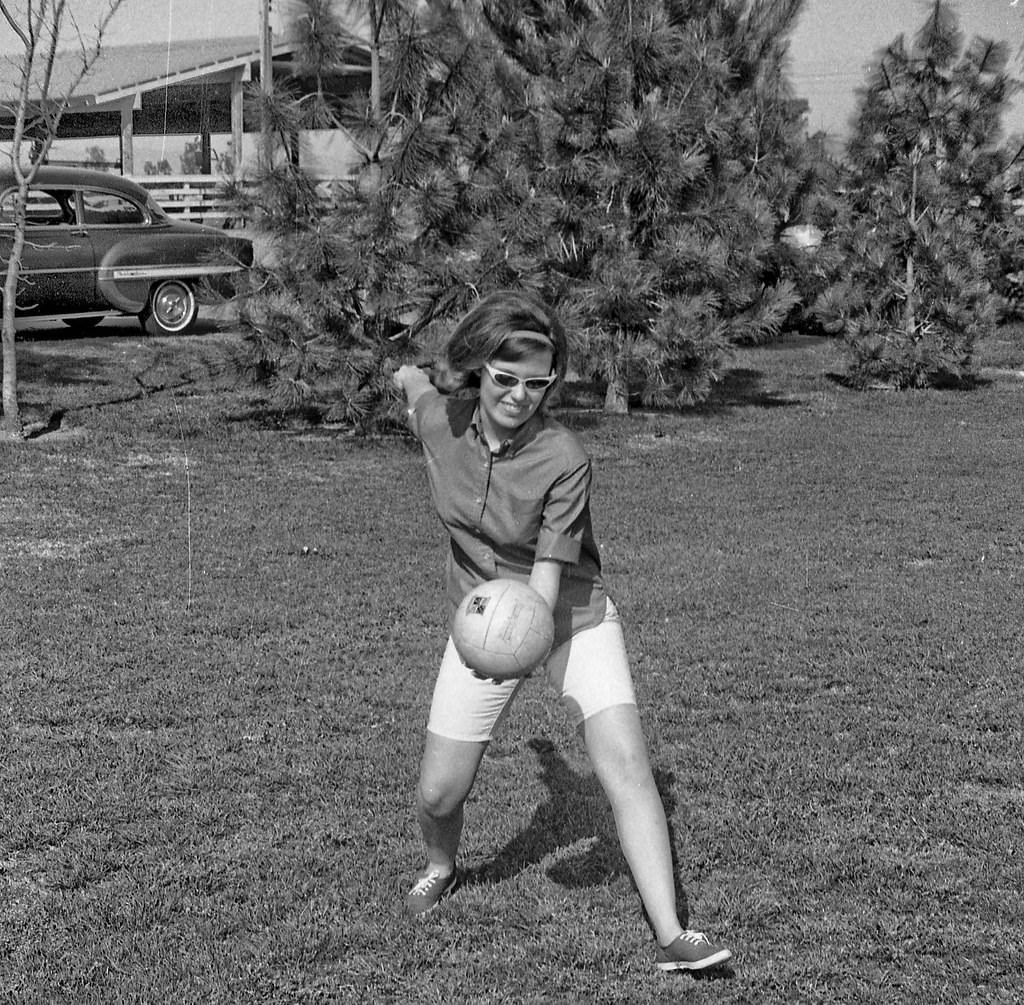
[96, 159]
[927, 184]
[162, 166]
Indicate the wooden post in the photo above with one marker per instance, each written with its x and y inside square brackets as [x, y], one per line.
[237, 121]
[266, 75]
[127, 138]
[205, 149]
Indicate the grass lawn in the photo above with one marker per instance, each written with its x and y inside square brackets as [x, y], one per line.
[218, 639]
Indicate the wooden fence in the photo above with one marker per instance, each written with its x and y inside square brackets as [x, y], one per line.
[196, 198]
[200, 198]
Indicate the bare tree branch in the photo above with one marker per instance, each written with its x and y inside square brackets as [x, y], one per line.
[15, 27]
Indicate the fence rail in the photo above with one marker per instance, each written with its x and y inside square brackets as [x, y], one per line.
[200, 198]
[196, 198]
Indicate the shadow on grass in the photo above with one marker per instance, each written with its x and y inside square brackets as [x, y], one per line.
[106, 354]
[85, 366]
[741, 387]
[574, 828]
[110, 367]
[972, 382]
[127, 326]
[738, 388]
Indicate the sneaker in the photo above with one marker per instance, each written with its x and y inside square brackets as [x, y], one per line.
[691, 951]
[430, 889]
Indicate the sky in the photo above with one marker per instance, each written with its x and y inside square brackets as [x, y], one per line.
[166, 20]
[156, 20]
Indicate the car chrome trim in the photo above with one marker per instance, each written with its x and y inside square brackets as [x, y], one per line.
[158, 271]
[51, 272]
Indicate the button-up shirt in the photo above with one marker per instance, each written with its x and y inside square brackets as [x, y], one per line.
[505, 509]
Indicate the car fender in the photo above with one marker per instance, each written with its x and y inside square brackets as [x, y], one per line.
[128, 269]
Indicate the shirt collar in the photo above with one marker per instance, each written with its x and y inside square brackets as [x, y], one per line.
[519, 439]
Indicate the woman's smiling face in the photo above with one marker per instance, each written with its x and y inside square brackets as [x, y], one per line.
[505, 409]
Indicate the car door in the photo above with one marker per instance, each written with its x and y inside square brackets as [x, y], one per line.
[58, 267]
[118, 228]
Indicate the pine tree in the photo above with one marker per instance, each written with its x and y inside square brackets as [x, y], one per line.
[927, 193]
[634, 162]
[671, 155]
[441, 210]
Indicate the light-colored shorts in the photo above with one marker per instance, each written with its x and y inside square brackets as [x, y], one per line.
[590, 672]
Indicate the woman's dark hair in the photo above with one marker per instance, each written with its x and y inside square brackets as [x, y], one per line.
[504, 326]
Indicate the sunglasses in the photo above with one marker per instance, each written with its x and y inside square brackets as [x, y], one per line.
[509, 380]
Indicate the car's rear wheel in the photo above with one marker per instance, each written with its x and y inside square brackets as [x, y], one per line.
[82, 324]
[172, 307]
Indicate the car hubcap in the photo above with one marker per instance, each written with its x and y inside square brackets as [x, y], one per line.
[172, 307]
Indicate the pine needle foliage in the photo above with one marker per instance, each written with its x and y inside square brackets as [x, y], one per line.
[929, 208]
[437, 214]
[634, 162]
[671, 148]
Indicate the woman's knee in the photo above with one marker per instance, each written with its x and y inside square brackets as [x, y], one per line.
[447, 774]
[440, 798]
[618, 749]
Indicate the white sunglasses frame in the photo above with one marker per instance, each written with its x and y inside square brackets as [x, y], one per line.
[520, 381]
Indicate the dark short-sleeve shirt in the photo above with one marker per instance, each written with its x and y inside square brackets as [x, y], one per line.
[503, 510]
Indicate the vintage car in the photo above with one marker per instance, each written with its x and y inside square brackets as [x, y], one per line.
[97, 243]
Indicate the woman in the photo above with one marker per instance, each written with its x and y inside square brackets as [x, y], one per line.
[512, 487]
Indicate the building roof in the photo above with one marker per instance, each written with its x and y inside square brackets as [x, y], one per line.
[127, 70]
[151, 64]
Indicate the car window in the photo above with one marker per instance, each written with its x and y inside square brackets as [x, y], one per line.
[106, 208]
[45, 209]
[156, 211]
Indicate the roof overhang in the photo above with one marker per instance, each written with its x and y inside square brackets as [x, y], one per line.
[223, 67]
[222, 71]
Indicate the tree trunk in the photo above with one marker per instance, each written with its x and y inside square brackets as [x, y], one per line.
[375, 31]
[909, 312]
[10, 422]
[910, 307]
[616, 398]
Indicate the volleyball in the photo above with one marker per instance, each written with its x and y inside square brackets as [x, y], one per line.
[503, 629]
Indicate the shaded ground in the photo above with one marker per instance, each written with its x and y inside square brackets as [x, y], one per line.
[117, 362]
